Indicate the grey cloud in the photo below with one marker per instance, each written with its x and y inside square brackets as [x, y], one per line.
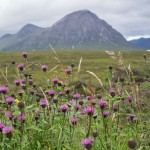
[130, 17]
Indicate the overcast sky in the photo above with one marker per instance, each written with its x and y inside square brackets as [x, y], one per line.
[129, 17]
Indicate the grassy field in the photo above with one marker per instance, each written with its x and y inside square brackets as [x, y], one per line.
[95, 61]
[102, 104]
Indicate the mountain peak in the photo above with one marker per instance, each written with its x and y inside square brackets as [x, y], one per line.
[28, 28]
[81, 29]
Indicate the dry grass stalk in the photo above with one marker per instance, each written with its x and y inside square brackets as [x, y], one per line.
[79, 66]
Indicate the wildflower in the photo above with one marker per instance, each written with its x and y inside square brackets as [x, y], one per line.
[105, 114]
[76, 96]
[70, 103]
[88, 97]
[9, 115]
[81, 102]
[134, 118]
[112, 92]
[60, 93]
[115, 107]
[22, 116]
[74, 121]
[144, 56]
[63, 108]
[131, 143]
[24, 54]
[16, 101]
[23, 86]
[9, 100]
[120, 127]
[87, 143]
[68, 71]
[95, 134]
[102, 104]
[21, 105]
[23, 81]
[77, 107]
[129, 99]
[67, 90]
[89, 110]
[4, 89]
[1, 126]
[44, 68]
[13, 62]
[98, 96]
[55, 100]
[17, 82]
[30, 81]
[60, 83]
[43, 103]
[8, 131]
[20, 92]
[54, 80]
[110, 67]
[51, 93]
[20, 67]
[72, 65]
[32, 92]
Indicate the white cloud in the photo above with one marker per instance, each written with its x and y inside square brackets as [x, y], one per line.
[130, 17]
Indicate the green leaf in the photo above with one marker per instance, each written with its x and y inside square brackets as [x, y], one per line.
[35, 128]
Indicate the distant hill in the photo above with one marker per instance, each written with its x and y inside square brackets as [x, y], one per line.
[78, 30]
[142, 42]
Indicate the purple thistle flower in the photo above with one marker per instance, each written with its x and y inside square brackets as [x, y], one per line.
[115, 107]
[20, 67]
[20, 92]
[51, 93]
[134, 118]
[74, 121]
[4, 89]
[23, 81]
[30, 81]
[32, 92]
[17, 82]
[128, 118]
[88, 97]
[102, 104]
[77, 107]
[54, 80]
[67, 90]
[9, 100]
[70, 103]
[63, 108]
[105, 114]
[8, 114]
[60, 93]
[76, 96]
[7, 129]
[87, 143]
[68, 70]
[1, 126]
[24, 54]
[44, 68]
[129, 99]
[112, 92]
[43, 102]
[22, 116]
[23, 86]
[89, 110]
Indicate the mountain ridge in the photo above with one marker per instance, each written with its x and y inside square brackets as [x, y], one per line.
[142, 42]
[77, 30]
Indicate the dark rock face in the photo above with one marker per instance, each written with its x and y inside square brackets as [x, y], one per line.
[78, 30]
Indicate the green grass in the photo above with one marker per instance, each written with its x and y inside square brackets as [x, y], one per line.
[95, 61]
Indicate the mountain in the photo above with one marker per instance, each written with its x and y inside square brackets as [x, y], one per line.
[78, 30]
[142, 42]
